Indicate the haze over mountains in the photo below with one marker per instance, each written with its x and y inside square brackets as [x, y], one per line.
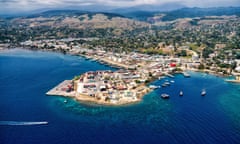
[27, 7]
[101, 8]
[141, 13]
[168, 11]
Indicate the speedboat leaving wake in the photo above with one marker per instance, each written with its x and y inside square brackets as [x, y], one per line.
[22, 123]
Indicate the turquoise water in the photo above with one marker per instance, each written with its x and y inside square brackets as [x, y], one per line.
[26, 76]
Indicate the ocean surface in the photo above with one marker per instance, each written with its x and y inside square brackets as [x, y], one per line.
[25, 77]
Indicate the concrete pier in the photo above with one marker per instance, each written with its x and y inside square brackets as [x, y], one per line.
[62, 89]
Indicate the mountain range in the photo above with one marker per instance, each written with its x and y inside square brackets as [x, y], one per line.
[145, 15]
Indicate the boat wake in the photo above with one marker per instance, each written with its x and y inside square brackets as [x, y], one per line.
[22, 123]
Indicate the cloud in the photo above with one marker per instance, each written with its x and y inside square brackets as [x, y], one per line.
[8, 6]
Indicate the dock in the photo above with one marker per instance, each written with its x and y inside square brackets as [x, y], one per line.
[62, 89]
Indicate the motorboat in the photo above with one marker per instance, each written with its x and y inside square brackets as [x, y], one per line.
[153, 86]
[203, 93]
[164, 85]
[165, 96]
[181, 93]
[167, 83]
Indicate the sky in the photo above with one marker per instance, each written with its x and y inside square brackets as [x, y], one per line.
[15, 6]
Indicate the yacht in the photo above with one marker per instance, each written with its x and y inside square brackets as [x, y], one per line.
[203, 93]
[167, 83]
[153, 86]
[165, 96]
[181, 93]
[164, 85]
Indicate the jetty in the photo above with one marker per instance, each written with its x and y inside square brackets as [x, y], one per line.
[63, 89]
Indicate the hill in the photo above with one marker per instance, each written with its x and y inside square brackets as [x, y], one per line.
[200, 12]
[78, 20]
[153, 16]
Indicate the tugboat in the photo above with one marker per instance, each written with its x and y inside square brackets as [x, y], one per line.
[181, 93]
[165, 96]
[203, 93]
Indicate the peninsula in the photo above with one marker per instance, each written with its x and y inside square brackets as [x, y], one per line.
[103, 87]
[124, 86]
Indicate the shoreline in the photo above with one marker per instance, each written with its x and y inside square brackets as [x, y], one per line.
[111, 64]
[114, 64]
[207, 71]
[232, 81]
[86, 98]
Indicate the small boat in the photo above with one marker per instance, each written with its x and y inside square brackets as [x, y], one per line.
[65, 101]
[186, 75]
[164, 85]
[165, 96]
[203, 93]
[153, 86]
[181, 93]
[167, 83]
[172, 81]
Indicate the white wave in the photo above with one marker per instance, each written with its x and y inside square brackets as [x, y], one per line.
[22, 123]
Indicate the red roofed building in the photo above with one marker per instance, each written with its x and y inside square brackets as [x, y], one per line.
[172, 65]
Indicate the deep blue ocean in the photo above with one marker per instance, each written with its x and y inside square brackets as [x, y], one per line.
[25, 77]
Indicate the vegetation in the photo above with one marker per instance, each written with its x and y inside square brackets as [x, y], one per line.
[201, 35]
[76, 77]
